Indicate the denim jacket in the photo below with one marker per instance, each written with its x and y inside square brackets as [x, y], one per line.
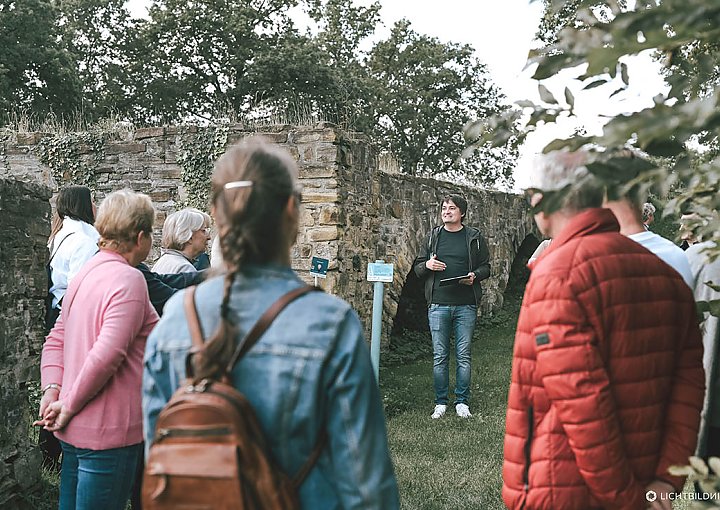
[311, 369]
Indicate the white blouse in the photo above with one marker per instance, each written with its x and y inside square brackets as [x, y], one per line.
[69, 255]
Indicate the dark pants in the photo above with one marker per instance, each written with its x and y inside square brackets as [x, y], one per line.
[136, 496]
[49, 445]
[713, 444]
[713, 450]
[51, 450]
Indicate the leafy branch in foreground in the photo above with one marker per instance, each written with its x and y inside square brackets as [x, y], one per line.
[706, 476]
[679, 133]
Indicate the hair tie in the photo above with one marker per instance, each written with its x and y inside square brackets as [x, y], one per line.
[237, 184]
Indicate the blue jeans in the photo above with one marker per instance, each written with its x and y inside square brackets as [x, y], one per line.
[444, 321]
[92, 479]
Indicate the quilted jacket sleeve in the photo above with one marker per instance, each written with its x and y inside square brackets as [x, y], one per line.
[682, 418]
[576, 382]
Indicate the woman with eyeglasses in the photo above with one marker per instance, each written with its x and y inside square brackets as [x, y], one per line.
[185, 236]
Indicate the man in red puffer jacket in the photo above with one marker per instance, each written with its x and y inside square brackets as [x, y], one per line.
[607, 378]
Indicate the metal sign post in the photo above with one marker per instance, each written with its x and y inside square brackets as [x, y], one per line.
[378, 272]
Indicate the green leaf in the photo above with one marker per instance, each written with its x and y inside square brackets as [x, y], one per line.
[572, 144]
[616, 92]
[546, 95]
[663, 148]
[551, 65]
[620, 169]
[569, 98]
[714, 307]
[624, 74]
[595, 83]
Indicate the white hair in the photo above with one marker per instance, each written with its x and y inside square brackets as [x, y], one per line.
[181, 225]
[563, 169]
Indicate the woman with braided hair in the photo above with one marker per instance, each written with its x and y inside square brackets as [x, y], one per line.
[310, 371]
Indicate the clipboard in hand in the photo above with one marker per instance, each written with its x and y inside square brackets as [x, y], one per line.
[452, 281]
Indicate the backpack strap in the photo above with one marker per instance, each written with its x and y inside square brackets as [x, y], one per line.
[265, 321]
[54, 252]
[193, 321]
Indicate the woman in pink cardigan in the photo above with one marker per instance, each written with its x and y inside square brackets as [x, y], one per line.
[92, 384]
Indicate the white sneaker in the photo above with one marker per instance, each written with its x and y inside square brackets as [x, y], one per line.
[439, 411]
[463, 411]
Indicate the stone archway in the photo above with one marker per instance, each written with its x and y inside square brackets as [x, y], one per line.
[412, 307]
[519, 272]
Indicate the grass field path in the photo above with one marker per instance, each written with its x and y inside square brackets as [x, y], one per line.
[452, 462]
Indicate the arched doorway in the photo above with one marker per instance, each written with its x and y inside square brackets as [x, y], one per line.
[519, 272]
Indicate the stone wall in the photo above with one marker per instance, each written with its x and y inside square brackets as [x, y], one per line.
[353, 212]
[388, 216]
[25, 222]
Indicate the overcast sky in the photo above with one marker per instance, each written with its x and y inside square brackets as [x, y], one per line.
[502, 33]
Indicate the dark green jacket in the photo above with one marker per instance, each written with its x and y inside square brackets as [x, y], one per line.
[479, 261]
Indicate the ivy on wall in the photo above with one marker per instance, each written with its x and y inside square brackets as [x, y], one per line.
[5, 135]
[198, 148]
[73, 157]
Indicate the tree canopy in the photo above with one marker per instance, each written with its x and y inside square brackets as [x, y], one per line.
[199, 60]
[37, 71]
[426, 92]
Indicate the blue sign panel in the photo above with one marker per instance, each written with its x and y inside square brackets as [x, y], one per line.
[319, 267]
[379, 272]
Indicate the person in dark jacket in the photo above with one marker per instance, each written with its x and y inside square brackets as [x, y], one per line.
[161, 287]
[459, 253]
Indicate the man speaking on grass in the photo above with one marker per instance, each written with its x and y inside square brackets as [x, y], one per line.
[453, 262]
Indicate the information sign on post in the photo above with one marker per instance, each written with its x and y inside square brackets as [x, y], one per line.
[380, 273]
[319, 268]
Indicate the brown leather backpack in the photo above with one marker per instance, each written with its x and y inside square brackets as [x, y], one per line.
[209, 450]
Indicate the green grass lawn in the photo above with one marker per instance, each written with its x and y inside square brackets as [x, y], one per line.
[453, 463]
